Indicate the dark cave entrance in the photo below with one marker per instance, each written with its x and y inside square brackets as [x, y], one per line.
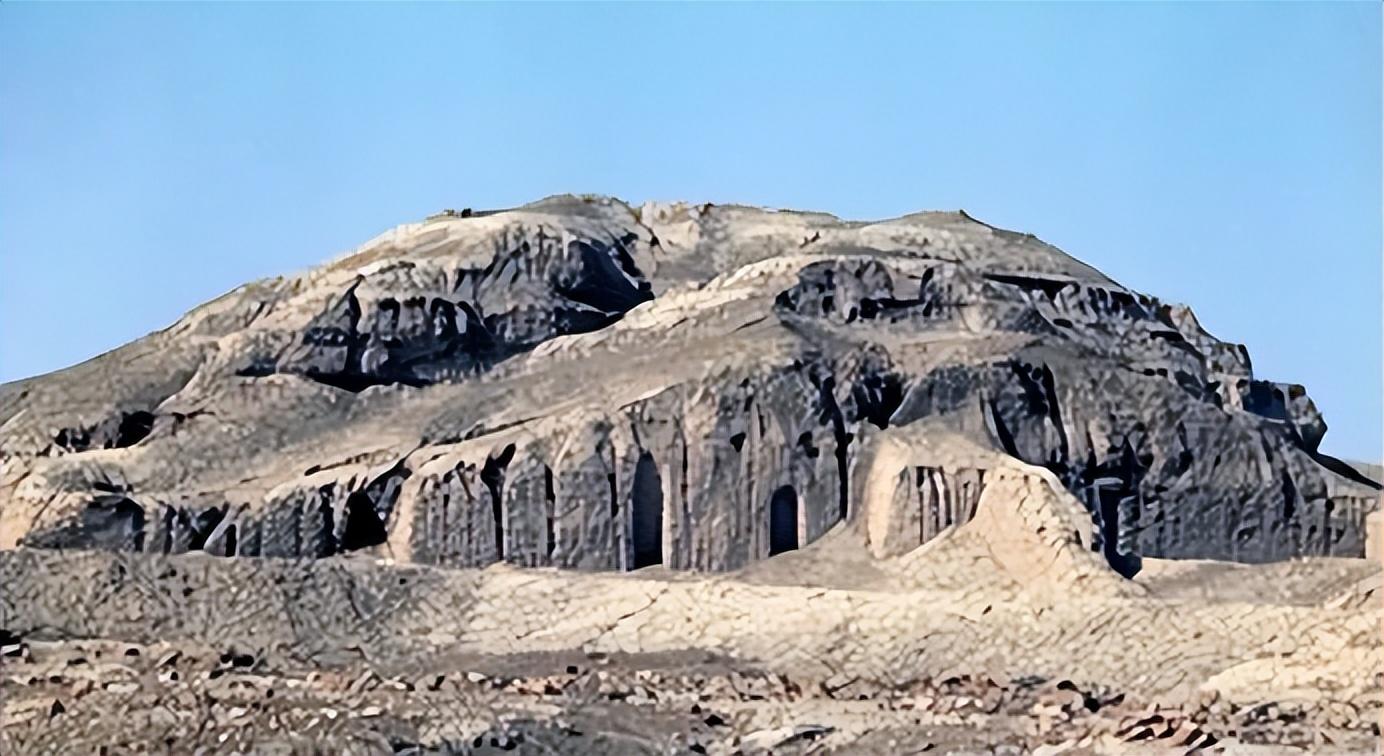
[123, 526]
[230, 541]
[646, 513]
[783, 520]
[363, 526]
[134, 426]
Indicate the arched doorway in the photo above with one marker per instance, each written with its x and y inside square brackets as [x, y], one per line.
[646, 513]
[783, 520]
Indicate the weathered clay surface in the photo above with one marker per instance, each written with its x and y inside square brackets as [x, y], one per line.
[587, 478]
[585, 384]
[1002, 637]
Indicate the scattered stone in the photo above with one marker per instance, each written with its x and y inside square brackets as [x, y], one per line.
[767, 740]
[366, 681]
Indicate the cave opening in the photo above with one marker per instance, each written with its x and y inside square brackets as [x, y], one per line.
[121, 524]
[202, 527]
[134, 427]
[783, 520]
[646, 513]
[363, 526]
[230, 546]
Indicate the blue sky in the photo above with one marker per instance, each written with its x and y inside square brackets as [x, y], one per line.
[1223, 155]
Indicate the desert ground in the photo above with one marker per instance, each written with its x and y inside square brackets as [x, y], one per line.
[818, 651]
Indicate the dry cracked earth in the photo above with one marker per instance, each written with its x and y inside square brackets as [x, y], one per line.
[586, 477]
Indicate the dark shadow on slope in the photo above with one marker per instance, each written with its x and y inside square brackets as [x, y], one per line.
[1344, 470]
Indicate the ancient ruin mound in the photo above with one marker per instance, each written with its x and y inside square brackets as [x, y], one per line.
[585, 384]
[878, 487]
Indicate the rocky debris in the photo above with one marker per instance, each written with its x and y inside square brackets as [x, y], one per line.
[771, 741]
[631, 706]
[432, 659]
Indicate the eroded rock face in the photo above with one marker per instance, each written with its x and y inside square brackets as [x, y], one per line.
[457, 323]
[584, 384]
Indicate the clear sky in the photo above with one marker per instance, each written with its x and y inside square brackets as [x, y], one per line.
[1222, 155]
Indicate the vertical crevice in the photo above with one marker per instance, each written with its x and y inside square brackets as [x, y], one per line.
[1106, 500]
[326, 545]
[297, 531]
[353, 335]
[1328, 540]
[497, 515]
[170, 520]
[924, 523]
[493, 477]
[619, 541]
[1001, 431]
[550, 502]
[831, 412]
[843, 441]
[253, 540]
[1055, 412]
[683, 547]
[1289, 498]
